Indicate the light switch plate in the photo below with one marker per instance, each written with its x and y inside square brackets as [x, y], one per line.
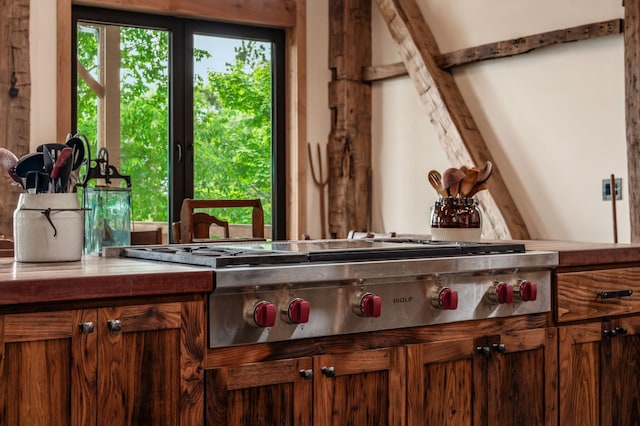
[606, 189]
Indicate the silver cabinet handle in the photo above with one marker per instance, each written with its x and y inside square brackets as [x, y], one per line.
[114, 325]
[87, 327]
[306, 374]
[328, 371]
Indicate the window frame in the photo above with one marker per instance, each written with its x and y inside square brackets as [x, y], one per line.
[181, 97]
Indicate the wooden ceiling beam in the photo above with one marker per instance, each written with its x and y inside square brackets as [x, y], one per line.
[447, 110]
[504, 48]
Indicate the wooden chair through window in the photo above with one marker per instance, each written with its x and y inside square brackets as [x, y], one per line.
[354, 235]
[146, 237]
[196, 225]
[6, 247]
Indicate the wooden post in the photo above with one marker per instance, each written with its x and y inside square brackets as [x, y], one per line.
[632, 105]
[350, 100]
[14, 106]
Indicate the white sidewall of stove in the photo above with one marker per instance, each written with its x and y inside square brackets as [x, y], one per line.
[553, 119]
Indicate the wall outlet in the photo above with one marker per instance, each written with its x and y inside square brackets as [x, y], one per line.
[606, 189]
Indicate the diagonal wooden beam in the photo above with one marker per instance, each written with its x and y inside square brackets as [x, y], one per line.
[504, 48]
[632, 106]
[448, 112]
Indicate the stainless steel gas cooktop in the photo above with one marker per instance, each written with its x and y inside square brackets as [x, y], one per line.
[219, 255]
[287, 290]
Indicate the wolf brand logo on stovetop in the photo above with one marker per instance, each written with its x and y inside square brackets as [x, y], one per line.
[402, 299]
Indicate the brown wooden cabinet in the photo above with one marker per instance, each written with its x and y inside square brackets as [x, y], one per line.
[510, 378]
[358, 388]
[491, 380]
[599, 315]
[125, 365]
[599, 373]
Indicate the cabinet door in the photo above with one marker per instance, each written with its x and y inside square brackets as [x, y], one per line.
[442, 379]
[522, 379]
[150, 364]
[493, 380]
[263, 393]
[48, 369]
[360, 388]
[579, 393]
[620, 372]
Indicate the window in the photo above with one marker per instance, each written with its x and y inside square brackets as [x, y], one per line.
[187, 108]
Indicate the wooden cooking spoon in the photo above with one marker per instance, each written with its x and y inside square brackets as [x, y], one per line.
[435, 179]
[483, 175]
[469, 181]
[451, 179]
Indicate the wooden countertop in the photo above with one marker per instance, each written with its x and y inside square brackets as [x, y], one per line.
[95, 277]
[574, 253]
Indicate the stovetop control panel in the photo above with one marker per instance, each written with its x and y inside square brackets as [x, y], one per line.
[295, 311]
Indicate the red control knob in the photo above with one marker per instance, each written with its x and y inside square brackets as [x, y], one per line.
[444, 298]
[504, 293]
[264, 314]
[298, 311]
[528, 291]
[370, 305]
[448, 299]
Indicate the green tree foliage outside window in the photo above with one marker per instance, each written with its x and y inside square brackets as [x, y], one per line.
[232, 115]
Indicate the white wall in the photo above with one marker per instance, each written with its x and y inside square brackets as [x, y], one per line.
[42, 45]
[553, 119]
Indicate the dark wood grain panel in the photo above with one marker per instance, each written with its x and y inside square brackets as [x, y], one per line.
[361, 380]
[84, 373]
[139, 371]
[244, 395]
[40, 376]
[151, 317]
[578, 293]
[192, 345]
[526, 372]
[38, 326]
[440, 386]
[579, 388]
[364, 341]
[623, 381]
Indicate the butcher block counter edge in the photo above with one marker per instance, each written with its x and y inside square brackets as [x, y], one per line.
[96, 277]
[572, 253]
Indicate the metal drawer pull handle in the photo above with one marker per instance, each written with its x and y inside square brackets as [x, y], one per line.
[483, 350]
[500, 348]
[306, 374]
[328, 371]
[615, 294]
[114, 325]
[618, 331]
[86, 327]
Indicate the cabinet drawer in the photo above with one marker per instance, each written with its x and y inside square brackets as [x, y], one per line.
[594, 294]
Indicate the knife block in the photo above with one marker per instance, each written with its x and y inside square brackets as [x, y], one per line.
[48, 227]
